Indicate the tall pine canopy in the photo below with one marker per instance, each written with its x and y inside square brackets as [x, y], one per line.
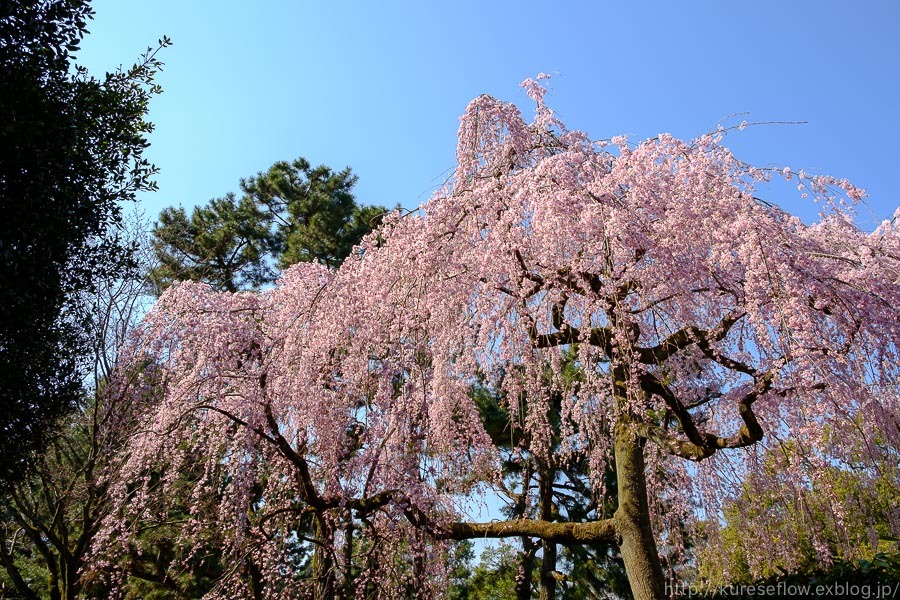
[291, 213]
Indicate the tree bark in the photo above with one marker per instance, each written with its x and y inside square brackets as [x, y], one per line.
[592, 532]
[529, 547]
[548, 570]
[548, 547]
[632, 518]
[349, 588]
[526, 564]
[323, 563]
[15, 575]
[255, 580]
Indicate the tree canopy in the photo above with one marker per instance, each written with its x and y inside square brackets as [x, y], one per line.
[72, 149]
[711, 329]
[48, 519]
[291, 213]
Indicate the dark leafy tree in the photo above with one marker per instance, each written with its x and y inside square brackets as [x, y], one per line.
[291, 213]
[495, 577]
[316, 215]
[48, 519]
[225, 243]
[71, 150]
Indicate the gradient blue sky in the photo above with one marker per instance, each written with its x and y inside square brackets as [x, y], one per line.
[379, 86]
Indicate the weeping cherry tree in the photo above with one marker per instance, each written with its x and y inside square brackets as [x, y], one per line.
[711, 328]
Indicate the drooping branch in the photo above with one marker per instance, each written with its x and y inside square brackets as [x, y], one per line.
[654, 303]
[558, 312]
[294, 509]
[527, 273]
[672, 444]
[368, 505]
[273, 436]
[562, 533]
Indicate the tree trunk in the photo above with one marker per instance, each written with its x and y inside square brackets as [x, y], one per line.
[54, 585]
[323, 563]
[546, 476]
[548, 570]
[349, 591]
[72, 586]
[418, 565]
[526, 564]
[632, 518]
[255, 580]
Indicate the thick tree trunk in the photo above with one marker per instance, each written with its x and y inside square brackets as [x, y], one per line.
[323, 564]
[548, 571]
[418, 565]
[632, 519]
[529, 547]
[53, 583]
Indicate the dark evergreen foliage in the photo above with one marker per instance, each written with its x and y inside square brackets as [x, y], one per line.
[291, 213]
[71, 150]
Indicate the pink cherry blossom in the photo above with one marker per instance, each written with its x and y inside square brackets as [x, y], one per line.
[710, 328]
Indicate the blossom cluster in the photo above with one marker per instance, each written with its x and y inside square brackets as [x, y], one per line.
[708, 323]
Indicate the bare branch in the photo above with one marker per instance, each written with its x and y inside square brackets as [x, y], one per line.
[702, 444]
[686, 337]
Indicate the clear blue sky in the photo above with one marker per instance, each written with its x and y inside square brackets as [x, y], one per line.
[379, 86]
